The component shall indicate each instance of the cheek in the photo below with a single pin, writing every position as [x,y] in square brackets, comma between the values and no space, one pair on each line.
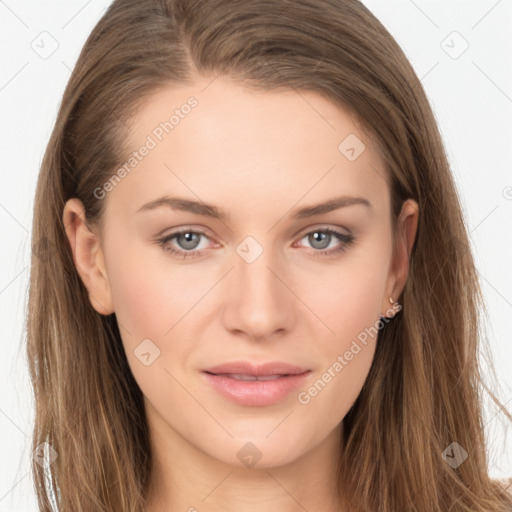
[332,392]
[349,304]
[150,296]
[347,347]
[151,303]
[347,297]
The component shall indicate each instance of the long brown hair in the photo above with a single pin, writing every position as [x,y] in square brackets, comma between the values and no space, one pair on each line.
[424,390]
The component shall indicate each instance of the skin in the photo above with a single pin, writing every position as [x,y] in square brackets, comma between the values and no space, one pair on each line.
[259,156]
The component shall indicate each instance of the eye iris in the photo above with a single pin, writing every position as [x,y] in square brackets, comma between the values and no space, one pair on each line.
[323,238]
[190,243]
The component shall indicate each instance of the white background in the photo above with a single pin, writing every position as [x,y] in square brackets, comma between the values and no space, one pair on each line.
[471,96]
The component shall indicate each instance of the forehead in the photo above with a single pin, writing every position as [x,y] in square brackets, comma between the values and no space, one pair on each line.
[218,140]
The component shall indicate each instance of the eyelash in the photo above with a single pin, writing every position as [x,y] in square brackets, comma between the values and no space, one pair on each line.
[347,240]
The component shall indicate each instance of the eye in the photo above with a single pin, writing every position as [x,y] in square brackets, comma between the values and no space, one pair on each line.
[187,241]
[320,239]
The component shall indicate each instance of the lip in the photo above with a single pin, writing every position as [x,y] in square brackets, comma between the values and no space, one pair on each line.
[255,393]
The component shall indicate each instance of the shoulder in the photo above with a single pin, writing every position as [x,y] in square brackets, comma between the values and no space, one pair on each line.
[506,483]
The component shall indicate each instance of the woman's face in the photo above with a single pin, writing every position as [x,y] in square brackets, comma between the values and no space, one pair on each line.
[290,265]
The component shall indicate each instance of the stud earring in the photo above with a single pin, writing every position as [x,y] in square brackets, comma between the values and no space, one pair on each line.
[387,318]
[395,305]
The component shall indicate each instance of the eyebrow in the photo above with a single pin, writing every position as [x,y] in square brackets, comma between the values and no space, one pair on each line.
[208,210]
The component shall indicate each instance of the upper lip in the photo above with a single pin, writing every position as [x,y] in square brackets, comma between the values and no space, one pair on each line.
[248,368]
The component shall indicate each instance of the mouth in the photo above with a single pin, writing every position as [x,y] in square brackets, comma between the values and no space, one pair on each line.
[246,368]
[255,385]
[239,376]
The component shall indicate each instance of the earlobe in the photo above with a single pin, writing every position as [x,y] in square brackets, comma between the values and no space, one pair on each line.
[88,256]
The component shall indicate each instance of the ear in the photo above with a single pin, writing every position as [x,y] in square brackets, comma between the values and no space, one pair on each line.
[88,256]
[406,234]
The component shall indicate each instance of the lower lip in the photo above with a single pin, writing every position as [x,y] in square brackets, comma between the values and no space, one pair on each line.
[256,393]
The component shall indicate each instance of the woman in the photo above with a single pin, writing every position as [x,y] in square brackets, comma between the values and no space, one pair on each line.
[262,295]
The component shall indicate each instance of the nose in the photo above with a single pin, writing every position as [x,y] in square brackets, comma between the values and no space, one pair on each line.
[259,301]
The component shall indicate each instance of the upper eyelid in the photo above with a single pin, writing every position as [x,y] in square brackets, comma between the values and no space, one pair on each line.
[324,227]
[206,231]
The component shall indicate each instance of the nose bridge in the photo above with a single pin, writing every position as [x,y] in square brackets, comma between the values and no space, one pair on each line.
[259,303]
